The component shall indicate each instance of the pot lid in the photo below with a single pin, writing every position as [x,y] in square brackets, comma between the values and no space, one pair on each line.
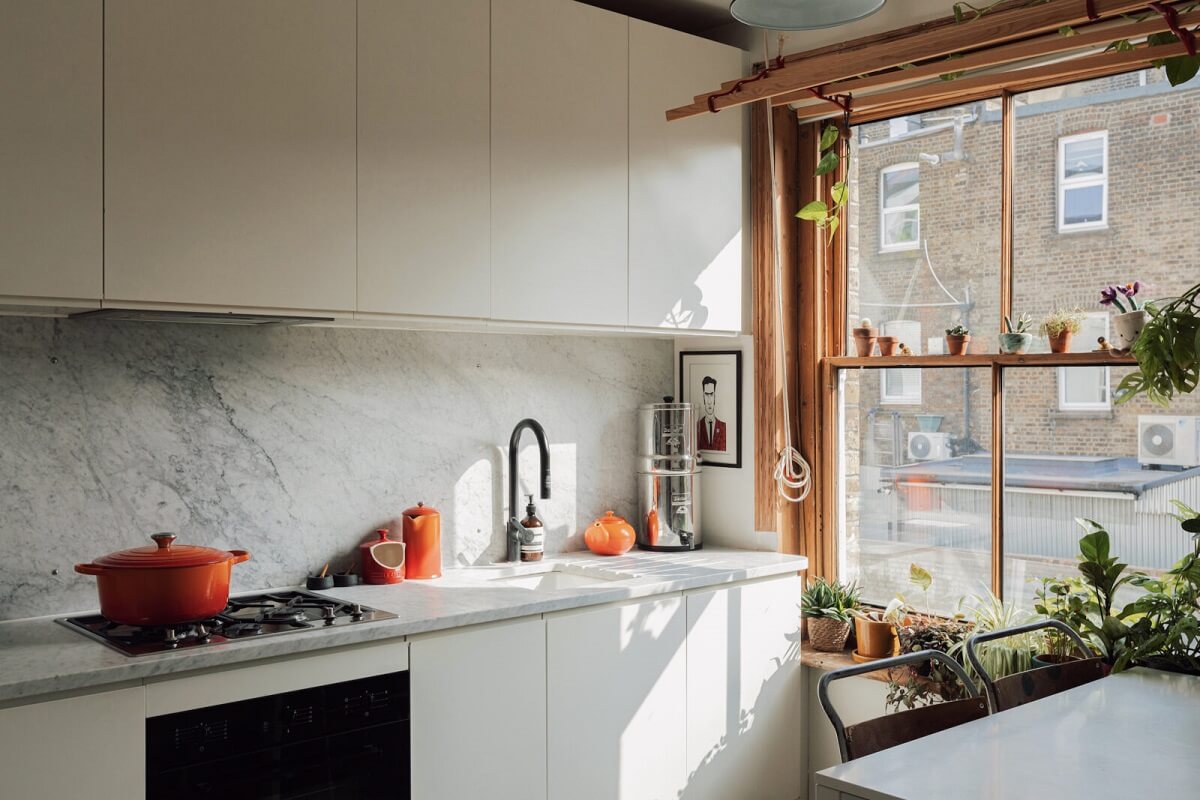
[421,510]
[164,553]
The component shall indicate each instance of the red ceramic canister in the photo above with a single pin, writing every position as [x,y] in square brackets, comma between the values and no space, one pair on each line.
[382,559]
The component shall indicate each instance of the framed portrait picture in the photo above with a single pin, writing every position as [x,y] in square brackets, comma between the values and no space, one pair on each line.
[711,380]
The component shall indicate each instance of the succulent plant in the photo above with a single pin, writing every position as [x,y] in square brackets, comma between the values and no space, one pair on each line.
[834,600]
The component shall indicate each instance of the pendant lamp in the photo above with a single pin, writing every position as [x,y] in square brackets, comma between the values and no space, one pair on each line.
[799,15]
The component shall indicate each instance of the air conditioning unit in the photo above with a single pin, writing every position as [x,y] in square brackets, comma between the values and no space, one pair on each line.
[1169,441]
[926,446]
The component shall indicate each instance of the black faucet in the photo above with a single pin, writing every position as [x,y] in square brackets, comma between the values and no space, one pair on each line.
[515,530]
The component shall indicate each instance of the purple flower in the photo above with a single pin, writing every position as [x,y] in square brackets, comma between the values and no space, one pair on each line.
[1130,289]
[1108,296]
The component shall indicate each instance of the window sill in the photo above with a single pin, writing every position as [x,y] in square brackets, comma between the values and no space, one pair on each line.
[983,360]
[828,662]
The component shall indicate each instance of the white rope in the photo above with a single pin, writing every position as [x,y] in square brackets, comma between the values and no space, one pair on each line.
[793,476]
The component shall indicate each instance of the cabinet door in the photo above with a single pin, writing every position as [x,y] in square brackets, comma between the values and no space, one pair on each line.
[93,745]
[229,153]
[685,186]
[744,688]
[616,703]
[479,712]
[51,149]
[560,163]
[423,157]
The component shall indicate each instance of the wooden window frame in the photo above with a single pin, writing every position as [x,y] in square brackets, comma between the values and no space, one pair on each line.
[824,269]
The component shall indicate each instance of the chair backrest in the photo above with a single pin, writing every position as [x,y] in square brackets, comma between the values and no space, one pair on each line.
[863,738]
[1011,691]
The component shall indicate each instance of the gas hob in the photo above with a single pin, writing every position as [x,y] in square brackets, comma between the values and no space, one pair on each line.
[250,616]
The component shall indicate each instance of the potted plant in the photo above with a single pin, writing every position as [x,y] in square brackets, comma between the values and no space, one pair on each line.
[888,345]
[1016,337]
[1059,326]
[875,632]
[1167,351]
[958,339]
[864,338]
[829,607]
[1128,324]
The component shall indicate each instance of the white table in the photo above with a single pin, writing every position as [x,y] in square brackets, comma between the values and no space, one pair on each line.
[1127,736]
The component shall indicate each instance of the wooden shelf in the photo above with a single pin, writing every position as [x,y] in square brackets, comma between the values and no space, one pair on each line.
[828,662]
[984,360]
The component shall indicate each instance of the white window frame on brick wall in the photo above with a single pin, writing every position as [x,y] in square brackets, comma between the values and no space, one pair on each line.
[1066,184]
[1100,327]
[884,211]
[908,332]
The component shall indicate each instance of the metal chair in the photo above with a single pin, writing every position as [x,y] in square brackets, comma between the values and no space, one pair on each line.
[864,738]
[1025,687]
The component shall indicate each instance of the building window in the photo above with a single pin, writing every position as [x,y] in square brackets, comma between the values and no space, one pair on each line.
[899,207]
[1086,388]
[902,386]
[1083,181]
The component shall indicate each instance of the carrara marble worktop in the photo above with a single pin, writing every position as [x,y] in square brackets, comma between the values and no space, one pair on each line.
[40,657]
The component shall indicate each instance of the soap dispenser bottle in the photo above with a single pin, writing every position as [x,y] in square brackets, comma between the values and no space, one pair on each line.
[533,544]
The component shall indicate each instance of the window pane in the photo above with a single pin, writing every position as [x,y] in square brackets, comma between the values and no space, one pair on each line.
[1083,204]
[915,486]
[1086,386]
[901,187]
[1151,128]
[939,264]
[1083,157]
[1059,467]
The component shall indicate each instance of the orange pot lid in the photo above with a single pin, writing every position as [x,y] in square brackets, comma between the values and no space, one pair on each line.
[164,553]
[421,510]
[609,517]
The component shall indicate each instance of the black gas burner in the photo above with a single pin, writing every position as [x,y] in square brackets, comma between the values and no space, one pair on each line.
[246,617]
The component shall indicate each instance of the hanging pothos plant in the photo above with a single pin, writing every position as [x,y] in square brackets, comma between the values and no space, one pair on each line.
[827,215]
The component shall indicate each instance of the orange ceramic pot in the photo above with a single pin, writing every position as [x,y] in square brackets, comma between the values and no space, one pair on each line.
[164,583]
[422,543]
[610,535]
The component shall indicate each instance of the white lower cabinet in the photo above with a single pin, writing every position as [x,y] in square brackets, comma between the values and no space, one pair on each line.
[745,728]
[615,683]
[92,745]
[479,712]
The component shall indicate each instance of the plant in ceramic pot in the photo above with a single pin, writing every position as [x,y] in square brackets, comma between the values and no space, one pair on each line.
[1132,317]
[829,607]
[1060,325]
[1016,338]
[1167,351]
[958,339]
[864,338]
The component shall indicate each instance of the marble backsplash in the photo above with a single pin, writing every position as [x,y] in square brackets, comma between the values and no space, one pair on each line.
[295,443]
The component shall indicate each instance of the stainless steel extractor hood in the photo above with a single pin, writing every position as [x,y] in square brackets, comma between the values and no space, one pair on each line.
[197,317]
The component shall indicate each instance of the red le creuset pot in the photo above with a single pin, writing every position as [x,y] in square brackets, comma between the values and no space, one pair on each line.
[164,583]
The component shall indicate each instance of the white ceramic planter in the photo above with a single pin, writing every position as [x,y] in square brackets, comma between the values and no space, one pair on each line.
[1127,327]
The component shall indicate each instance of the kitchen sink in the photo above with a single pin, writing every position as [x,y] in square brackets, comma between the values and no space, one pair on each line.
[555,579]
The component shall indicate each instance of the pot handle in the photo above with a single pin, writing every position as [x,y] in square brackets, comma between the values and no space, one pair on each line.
[240,555]
[89,569]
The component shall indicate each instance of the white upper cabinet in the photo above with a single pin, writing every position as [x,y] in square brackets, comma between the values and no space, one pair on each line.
[230,153]
[51,145]
[560,163]
[616,704]
[685,186]
[423,157]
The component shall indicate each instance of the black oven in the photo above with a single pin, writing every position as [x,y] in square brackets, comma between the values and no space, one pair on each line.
[343,741]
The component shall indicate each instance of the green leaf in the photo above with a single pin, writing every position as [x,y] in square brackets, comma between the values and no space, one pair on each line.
[919,577]
[816,211]
[840,193]
[1181,69]
[1192,525]
[828,163]
[1066,30]
[829,136]
[1119,46]
[834,222]
[1158,39]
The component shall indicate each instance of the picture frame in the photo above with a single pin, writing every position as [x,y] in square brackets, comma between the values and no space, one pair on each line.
[704,378]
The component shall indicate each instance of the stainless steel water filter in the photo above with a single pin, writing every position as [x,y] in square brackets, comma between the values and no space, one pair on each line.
[668,477]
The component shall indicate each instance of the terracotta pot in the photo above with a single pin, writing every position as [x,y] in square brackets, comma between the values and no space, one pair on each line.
[1060,343]
[957,345]
[828,635]
[163,584]
[864,341]
[876,638]
[1127,328]
[888,345]
[610,535]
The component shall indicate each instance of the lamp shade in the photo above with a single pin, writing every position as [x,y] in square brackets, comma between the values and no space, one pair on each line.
[799,15]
